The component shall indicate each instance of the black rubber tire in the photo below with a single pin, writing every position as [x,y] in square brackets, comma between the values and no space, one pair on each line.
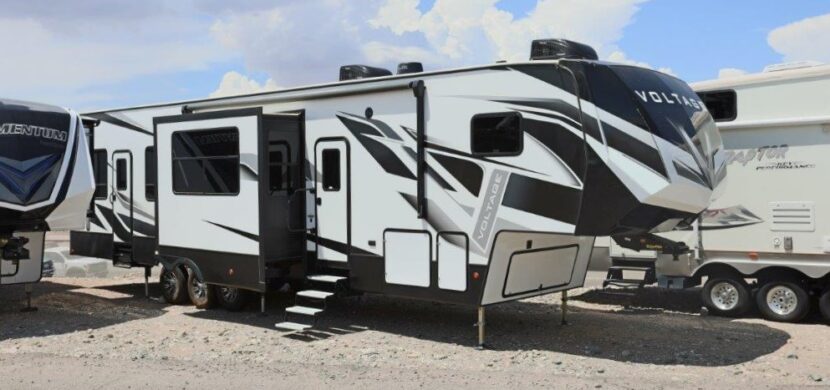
[744,296]
[204,299]
[232,298]
[824,305]
[802,302]
[173,284]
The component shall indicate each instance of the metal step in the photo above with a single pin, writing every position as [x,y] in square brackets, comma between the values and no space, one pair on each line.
[314,294]
[304,310]
[326,278]
[623,282]
[292,326]
[629,268]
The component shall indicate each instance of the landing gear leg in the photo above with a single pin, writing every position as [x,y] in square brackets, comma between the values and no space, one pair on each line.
[29,308]
[480,324]
[262,305]
[147,282]
[564,307]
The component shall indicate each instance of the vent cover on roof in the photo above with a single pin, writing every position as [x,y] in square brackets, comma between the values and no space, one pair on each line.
[553,49]
[410,67]
[354,72]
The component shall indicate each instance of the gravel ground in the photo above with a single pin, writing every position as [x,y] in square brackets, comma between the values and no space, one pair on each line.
[94,333]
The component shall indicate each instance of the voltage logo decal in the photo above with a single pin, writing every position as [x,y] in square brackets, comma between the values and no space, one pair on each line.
[490,207]
[670,98]
[33,131]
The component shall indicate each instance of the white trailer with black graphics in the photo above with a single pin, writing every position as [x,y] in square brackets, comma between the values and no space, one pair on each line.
[765,241]
[472,186]
[45,183]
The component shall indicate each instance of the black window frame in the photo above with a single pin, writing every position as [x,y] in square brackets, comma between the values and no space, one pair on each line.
[119,175]
[734,97]
[494,115]
[98,173]
[283,166]
[150,173]
[323,169]
[174,159]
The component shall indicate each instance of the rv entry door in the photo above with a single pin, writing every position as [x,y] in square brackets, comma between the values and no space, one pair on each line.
[121,197]
[332,189]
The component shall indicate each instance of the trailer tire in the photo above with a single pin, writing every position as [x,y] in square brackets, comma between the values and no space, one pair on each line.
[783,301]
[726,296]
[232,298]
[824,305]
[201,294]
[173,284]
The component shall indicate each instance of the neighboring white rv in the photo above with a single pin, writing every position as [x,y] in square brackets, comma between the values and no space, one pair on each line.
[472,186]
[771,225]
[45,183]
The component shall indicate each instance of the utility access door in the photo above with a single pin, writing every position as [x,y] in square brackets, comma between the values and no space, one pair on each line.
[121,196]
[333,191]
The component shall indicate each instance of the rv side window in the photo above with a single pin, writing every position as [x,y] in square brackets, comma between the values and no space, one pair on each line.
[99,166]
[496,134]
[278,166]
[206,162]
[331,170]
[121,174]
[723,105]
[150,174]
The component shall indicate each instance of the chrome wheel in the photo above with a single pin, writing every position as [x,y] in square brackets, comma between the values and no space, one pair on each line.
[725,296]
[782,300]
[229,294]
[199,288]
[169,282]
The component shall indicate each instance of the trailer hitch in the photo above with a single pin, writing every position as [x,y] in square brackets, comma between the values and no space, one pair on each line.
[14,248]
[652,242]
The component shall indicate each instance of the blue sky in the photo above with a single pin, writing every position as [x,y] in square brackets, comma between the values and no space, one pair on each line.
[163,50]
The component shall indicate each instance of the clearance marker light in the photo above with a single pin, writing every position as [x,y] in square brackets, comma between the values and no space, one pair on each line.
[753,256]
[476,275]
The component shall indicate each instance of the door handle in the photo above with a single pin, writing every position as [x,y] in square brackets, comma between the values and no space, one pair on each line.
[319,201]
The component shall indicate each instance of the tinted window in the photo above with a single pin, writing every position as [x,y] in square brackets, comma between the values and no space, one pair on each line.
[150,174]
[121,174]
[99,168]
[278,166]
[331,170]
[206,162]
[721,104]
[496,134]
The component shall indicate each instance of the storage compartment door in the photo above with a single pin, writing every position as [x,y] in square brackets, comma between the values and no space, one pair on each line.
[406,257]
[453,250]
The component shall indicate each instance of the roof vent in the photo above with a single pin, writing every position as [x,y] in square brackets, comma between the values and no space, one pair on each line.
[354,72]
[410,67]
[555,49]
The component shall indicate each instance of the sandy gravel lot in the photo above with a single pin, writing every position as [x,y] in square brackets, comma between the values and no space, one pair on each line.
[103,333]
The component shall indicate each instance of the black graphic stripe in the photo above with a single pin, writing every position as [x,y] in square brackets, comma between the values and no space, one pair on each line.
[560,141]
[431,172]
[383,127]
[384,156]
[468,173]
[250,236]
[104,117]
[139,226]
[117,228]
[96,221]
[634,148]
[445,149]
[357,127]
[542,198]
[571,113]
[689,173]
[339,246]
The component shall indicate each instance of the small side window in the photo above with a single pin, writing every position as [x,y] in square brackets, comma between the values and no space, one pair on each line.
[331,170]
[150,174]
[279,175]
[496,134]
[121,174]
[723,105]
[99,168]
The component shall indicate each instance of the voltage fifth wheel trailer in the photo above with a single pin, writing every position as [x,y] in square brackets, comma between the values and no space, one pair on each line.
[768,234]
[45,183]
[471,186]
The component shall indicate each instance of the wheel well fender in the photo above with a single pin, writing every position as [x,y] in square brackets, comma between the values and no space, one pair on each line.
[183,263]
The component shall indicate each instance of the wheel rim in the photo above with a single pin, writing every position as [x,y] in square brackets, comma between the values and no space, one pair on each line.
[229,294]
[199,289]
[725,296]
[169,282]
[782,300]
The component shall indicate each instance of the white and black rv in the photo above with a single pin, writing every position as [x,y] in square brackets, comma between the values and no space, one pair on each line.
[471,186]
[45,183]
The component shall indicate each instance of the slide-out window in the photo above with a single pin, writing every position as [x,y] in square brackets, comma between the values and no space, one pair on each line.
[99,168]
[279,173]
[150,174]
[206,162]
[121,174]
[331,170]
[723,105]
[497,134]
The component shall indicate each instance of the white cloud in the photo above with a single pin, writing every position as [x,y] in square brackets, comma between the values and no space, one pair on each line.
[804,40]
[234,83]
[727,73]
